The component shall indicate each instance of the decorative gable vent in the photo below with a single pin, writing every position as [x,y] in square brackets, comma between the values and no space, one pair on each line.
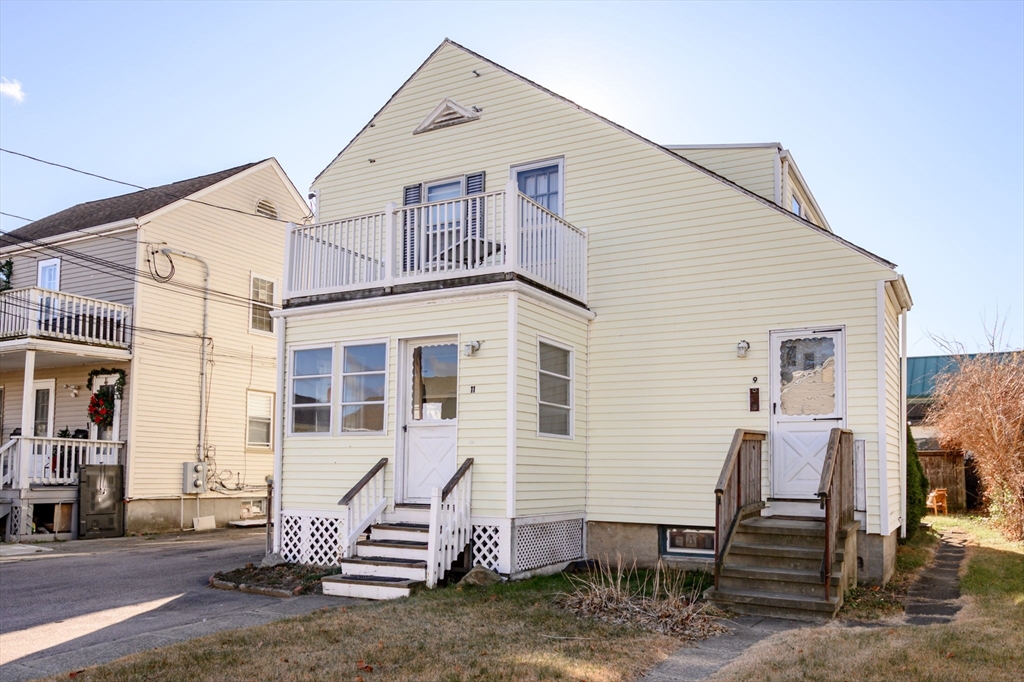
[266,208]
[447,113]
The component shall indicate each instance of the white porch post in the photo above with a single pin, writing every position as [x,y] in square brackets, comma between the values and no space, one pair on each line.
[512,226]
[28,414]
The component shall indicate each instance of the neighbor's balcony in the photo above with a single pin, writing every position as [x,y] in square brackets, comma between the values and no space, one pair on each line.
[53,461]
[40,313]
[470,237]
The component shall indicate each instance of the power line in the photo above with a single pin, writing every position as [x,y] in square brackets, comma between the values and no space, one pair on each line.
[146,189]
[11,215]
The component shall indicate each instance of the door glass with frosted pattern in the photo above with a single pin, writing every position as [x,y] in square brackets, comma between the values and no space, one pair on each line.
[807,376]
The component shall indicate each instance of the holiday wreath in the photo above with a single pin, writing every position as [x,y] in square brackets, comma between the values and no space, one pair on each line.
[101,408]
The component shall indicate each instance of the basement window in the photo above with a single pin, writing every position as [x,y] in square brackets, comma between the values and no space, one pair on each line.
[687,541]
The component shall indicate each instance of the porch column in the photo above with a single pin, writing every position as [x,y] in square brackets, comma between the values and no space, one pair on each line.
[28,416]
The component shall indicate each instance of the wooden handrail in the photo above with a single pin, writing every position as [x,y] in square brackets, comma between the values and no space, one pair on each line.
[456,478]
[363,481]
[835,490]
[829,465]
[742,499]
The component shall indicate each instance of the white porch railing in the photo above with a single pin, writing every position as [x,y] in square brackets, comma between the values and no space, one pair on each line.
[364,504]
[55,461]
[451,524]
[8,460]
[473,235]
[35,312]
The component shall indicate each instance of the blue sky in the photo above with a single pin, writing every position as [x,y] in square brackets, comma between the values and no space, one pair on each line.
[906,119]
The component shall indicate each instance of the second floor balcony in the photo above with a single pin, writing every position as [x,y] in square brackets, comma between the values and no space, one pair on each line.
[467,238]
[33,312]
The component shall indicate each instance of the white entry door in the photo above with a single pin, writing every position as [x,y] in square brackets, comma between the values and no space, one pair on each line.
[808,401]
[432,378]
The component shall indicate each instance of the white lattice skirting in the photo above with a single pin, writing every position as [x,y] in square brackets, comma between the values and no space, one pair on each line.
[487,548]
[543,544]
[312,537]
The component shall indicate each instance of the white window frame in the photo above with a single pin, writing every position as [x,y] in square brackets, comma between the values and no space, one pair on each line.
[461,179]
[39,272]
[37,385]
[252,302]
[342,345]
[259,446]
[572,387]
[795,203]
[291,391]
[513,174]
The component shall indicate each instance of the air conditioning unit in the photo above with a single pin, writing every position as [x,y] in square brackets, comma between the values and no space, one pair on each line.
[193,477]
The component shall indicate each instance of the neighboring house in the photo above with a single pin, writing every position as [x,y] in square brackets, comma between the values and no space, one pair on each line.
[949,469]
[523,327]
[112,299]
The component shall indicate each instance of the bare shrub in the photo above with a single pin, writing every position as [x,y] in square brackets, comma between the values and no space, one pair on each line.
[663,600]
[979,408]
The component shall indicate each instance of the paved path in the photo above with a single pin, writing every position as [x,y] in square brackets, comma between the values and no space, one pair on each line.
[92,601]
[934,596]
[699,661]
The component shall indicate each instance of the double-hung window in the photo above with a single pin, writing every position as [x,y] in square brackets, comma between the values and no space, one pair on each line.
[312,376]
[363,378]
[48,274]
[262,302]
[554,390]
[259,410]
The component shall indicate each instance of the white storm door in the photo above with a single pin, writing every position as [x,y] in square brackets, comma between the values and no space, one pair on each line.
[808,401]
[431,386]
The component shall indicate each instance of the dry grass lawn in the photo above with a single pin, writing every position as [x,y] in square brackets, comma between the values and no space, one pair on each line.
[511,632]
[985,642]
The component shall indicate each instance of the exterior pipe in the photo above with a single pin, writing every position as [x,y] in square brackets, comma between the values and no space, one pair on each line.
[201,446]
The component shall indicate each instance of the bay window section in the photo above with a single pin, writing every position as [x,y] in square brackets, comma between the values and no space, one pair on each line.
[363,378]
[554,390]
[311,390]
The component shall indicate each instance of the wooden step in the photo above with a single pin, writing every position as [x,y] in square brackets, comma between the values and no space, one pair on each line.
[774,530]
[392,549]
[368,586]
[417,532]
[777,556]
[779,605]
[410,569]
[777,580]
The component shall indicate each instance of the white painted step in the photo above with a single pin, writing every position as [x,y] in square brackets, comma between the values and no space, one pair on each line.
[414,532]
[396,549]
[367,587]
[389,568]
[408,514]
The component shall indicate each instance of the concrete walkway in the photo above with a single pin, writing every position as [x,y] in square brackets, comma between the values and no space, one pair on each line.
[92,601]
[699,661]
[935,595]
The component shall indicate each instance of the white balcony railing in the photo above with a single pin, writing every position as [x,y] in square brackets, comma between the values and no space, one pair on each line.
[35,312]
[474,235]
[53,461]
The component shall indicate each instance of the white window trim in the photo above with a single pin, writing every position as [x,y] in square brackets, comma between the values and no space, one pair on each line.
[260,446]
[572,387]
[461,179]
[513,174]
[291,390]
[342,345]
[44,263]
[277,287]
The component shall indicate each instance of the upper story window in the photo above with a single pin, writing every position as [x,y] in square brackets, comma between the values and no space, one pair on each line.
[259,409]
[266,208]
[262,297]
[310,395]
[542,182]
[797,208]
[48,275]
[554,390]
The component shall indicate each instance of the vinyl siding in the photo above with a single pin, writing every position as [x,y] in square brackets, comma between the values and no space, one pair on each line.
[892,412]
[318,470]
[550,471]
[68,411]
[167,350]
[750,167]
[682,266]
[78,274]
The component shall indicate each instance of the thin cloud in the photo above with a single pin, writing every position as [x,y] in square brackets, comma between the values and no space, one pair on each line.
[12,89]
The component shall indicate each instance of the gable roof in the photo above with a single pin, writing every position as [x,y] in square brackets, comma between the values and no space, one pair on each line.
[770,204]
[116,209]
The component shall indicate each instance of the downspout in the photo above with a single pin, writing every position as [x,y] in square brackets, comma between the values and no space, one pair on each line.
[201,447]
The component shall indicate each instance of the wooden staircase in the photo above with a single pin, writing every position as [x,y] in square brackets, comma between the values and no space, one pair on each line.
[783,566]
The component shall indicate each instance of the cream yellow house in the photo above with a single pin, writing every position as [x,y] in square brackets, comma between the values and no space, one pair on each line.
[155,306]
[523,335]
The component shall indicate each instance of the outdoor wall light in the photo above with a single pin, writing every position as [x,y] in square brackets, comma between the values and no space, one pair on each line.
[741,349]
[470,349]
[73,388]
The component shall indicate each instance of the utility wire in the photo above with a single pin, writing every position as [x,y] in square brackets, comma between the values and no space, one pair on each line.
[147,189]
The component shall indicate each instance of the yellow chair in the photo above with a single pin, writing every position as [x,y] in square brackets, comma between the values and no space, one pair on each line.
[937,500]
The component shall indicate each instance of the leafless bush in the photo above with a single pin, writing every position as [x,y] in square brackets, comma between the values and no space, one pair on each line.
[661,600]
[979,408]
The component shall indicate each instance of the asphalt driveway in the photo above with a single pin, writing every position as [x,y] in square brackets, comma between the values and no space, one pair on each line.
[75,604]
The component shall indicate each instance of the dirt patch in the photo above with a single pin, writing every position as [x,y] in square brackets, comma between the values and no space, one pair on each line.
[279,581]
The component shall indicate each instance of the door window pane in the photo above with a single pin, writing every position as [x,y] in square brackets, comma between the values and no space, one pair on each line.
[435,382]
[807,376]
[41,427]
[364,380]
[554,390]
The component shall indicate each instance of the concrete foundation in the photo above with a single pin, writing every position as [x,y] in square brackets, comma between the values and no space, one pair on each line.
[161,516]
[639,541]
[876,557]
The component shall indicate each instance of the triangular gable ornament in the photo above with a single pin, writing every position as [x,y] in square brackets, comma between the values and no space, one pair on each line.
[447,113]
